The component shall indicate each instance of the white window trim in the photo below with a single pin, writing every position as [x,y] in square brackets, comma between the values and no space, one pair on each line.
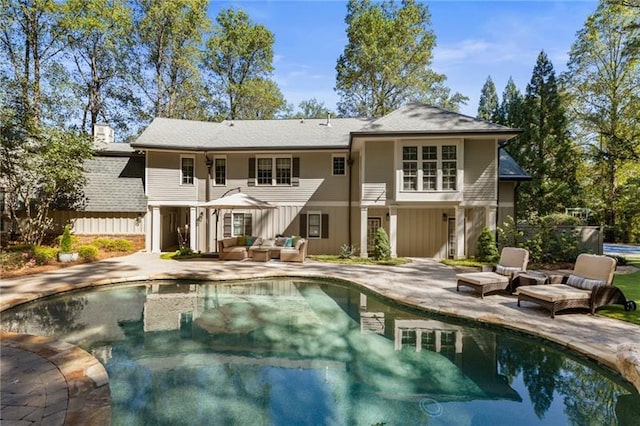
[193,157]
[319,213]
[333,156]
[213,170]
[273,170]
[439,160]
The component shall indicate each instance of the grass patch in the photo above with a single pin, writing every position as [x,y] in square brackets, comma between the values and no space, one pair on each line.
[175,255]
[358,260]
[630,286]
[463,262]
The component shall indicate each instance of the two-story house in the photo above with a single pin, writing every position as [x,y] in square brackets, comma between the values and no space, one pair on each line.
[430,177]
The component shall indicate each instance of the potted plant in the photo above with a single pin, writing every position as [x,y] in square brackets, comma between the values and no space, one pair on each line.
[66,255]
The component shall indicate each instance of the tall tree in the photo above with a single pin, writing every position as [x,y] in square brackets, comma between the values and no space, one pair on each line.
[488,107]
[604,81]
[545,149]
[30,38]
[312,108]
[100,50]
[385,63]
[170,35]
[510,111]
[239,56]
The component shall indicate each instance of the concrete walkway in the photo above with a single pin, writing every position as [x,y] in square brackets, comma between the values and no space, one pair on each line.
[422,283]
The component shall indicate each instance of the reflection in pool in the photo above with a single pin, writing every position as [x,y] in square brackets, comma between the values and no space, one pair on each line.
[309,352]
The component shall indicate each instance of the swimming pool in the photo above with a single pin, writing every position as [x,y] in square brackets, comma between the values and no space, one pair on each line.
[291,351]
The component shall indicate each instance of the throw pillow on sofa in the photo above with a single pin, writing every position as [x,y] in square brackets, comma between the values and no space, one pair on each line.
[242,241]
[249,241]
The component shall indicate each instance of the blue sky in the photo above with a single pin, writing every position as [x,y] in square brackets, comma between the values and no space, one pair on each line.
[474,39]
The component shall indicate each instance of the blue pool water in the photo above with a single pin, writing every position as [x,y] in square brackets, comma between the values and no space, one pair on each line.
[299,352]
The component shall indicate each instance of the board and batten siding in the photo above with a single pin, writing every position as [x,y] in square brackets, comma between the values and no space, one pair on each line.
[422,233]
[108,223]
[480,170]
[475,223]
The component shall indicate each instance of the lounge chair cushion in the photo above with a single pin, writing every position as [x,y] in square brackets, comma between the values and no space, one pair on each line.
[583,283]
[554,292]
[481,278]
[595,267]
[514,257]
[507,270]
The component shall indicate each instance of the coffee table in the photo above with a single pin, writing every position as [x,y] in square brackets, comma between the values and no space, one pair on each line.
[260,254]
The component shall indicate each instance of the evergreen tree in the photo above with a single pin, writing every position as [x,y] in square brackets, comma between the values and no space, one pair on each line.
[545,150]
[510,111]
[488,108]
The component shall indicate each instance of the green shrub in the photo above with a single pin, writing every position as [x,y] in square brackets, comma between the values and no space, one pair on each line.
[487,251]
[108,244]
[88,252]
[346,251]
[44,255]
[185,251]
[65,241]
[381,247]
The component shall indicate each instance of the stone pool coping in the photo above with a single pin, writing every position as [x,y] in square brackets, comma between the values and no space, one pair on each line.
[423,283]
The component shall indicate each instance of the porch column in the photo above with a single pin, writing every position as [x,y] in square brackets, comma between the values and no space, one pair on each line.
[147,231]
[393,231]
[193,228]
[460,225]
[490,217]
[364,215]
[155,229]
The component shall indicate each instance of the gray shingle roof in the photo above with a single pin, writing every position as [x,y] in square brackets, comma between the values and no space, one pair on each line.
[248,134]
[115,184]
[421,118]
[509,169]
[167,133]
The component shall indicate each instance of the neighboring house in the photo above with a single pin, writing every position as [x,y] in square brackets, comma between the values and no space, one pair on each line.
[428,176]
[115,203]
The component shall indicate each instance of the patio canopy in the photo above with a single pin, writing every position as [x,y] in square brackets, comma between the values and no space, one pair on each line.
[239,200]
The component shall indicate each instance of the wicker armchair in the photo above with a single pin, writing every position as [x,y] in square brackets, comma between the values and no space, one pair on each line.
[512,261]
[588,287]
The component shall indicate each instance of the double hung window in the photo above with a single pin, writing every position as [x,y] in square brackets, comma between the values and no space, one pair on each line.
[273,170]
[187,170]
[219,171]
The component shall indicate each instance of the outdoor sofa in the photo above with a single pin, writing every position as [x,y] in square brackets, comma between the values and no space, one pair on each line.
[512,261]
[287,249]
[588,286]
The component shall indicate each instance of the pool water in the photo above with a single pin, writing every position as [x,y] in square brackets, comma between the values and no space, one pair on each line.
[307,352]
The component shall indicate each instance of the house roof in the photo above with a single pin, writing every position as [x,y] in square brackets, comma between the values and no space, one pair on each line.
[115,184]
[166,133]
[414,118]
[509,169]
[426,119]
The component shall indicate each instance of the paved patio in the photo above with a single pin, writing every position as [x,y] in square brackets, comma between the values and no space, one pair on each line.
[36,366]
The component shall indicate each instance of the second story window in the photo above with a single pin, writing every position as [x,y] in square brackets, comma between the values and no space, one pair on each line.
[283,171]
[265,172]
[339,163]
[449,167]
[187,167]
[429,168]
[219,171]
[274,171]
[410,168]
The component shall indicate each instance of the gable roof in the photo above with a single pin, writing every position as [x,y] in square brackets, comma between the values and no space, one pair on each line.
[509,169]
[425,119]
